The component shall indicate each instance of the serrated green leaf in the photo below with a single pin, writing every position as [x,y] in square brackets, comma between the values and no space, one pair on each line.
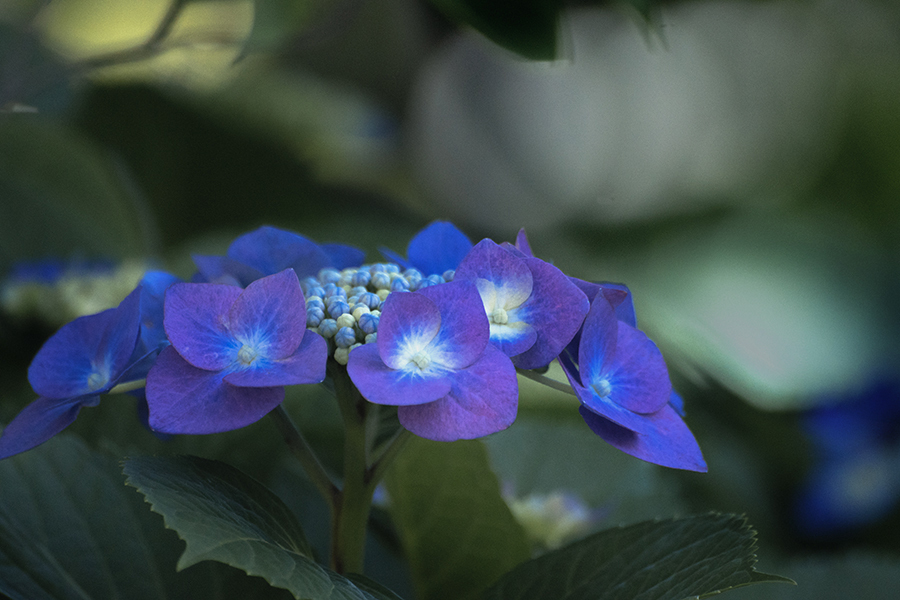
[457,531]
[656,560]
[226,516]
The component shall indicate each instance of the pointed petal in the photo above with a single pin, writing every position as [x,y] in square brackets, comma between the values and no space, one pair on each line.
[556,310]
[395,258]
[381,384]
[194,320]
[224,270]
[185,399]
[37,423]
[100,343]
[464,331]
[597,345]
[620,297]
[270,315]
[271,250]
[408,323]
[306,365]
[437,248]
[153,290]
[509,274]
[638,377]
[483,400]
[665,440]
[522,243]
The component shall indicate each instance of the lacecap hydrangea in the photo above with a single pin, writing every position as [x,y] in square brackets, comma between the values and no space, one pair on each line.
[441,334]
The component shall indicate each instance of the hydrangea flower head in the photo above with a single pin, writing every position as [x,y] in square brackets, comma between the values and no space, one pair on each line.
[269,250]
[85,358]
[433,359]
[533,308]
[623,384]
[436,249]
[232,352]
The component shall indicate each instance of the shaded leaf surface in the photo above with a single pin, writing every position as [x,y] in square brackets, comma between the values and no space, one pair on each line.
[458,533]
[655,560]
[226,516]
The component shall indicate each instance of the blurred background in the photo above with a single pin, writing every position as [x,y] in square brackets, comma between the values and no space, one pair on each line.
[735,163]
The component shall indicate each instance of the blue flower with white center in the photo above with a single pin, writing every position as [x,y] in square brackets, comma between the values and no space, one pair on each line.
[269,250]
[435,249]
[432,358]
[623,384]
[533,309]
[232,352]
[85,358]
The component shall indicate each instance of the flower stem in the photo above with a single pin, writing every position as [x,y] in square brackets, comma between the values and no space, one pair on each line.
[351,514]
[556,385]
[304,453]
[128,386]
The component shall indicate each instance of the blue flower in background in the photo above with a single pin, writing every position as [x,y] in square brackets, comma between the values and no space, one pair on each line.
[856,448]
[433,359]
[438,248]
[85,358]
[232,352]
[269,250]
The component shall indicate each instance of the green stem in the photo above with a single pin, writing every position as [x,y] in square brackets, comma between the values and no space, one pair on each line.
[351,515]
[304,453]
[128,387]
[556,385]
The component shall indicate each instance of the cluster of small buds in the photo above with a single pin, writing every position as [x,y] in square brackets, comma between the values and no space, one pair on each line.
[344,306]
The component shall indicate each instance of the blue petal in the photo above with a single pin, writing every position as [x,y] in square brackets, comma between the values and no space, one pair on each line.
[96,344]
[343,257]
[37,423]
[483,400]
[271,250]
[664,440]
[437,248]
[381,384]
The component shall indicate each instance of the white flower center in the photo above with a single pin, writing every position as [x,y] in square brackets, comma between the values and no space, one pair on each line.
[602,388]
[499,316]
[421,360]
[246,355]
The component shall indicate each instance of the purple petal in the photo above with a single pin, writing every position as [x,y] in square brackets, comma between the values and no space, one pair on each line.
[37,423]
[522,243]
[464,331]
[270,315]
[306,365]
[88,354]
[271,250]
[224,270]
[381,384]
[153,289]
[483,400]
[437,248]
[665,440]
[638,377]
[343,257]
[509,275]
[556,310]
[185,399]
[597,346]
[408,323]
[194,320]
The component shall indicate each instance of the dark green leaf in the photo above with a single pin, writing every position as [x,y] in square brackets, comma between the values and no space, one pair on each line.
[656,560]
[527,27]
[275,21]
[70,529]
[458,533]
[226,516]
